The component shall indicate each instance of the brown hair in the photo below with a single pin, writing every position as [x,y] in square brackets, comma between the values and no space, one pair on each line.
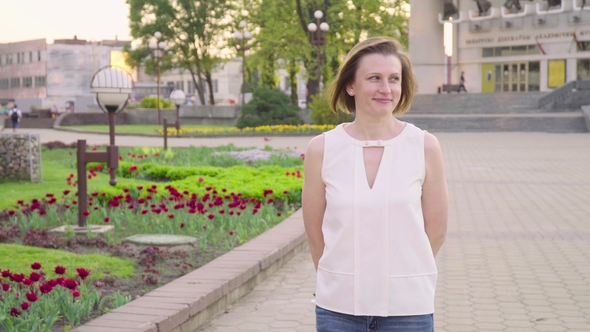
[336,91]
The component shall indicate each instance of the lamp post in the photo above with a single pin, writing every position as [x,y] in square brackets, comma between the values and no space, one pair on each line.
[242,36]
[319,39]
[177,97]
[157,50]
[112,86]
[448,45]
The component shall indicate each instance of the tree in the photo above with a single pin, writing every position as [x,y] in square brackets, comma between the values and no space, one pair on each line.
[283,32]
[194,31]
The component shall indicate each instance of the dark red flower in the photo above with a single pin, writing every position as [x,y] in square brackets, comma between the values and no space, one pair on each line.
[41,212]
[76,293]
[270,201]
[132,168]
[5,287]
[36,266]
[125,190]
[148,197]
[11,212]
[221,211]
[24,306]
[181,225]
[254,211]
[171,216]
[231,213]
[204,226]
[200,179]
[285,192]
[27,281]
[99,168]
[86,213]
[83,273]
[59,270]
[141,200]
[107,219]
[49,195]
[211,216]
[6,273]
[278,214]
[31,297]
[239,213]
[70,284]
[144,211]
[17,277]
[47,287]
[14,312]
[231,233]
[120,157]
[58,281]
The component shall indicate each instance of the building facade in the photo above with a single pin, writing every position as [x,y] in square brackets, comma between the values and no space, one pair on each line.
[512,46]
[36,74]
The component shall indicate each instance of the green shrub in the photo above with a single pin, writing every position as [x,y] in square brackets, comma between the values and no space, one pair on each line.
[152,102]
[269,107]
[322,114]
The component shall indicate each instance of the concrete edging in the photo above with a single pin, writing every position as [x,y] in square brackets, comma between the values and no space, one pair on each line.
[188,302]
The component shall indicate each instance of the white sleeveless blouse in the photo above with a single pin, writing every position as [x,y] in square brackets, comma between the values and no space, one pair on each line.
[377,259]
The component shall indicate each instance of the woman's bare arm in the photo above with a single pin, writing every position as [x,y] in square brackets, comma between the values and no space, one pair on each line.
[435,197]
[314,198]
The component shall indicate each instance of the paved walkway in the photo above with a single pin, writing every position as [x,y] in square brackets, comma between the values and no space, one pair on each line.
[517,256]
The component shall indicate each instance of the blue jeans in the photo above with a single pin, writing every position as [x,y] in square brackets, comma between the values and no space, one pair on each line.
[15,124]
[330,321]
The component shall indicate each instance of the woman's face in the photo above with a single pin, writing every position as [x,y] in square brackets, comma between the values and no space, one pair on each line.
[377,86]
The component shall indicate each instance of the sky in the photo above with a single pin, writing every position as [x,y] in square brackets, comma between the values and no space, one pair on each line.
[62,19]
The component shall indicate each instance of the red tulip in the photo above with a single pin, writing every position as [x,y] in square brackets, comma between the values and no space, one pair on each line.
[24,306]
[107,219]
[83,273]
[211,216]
[27,281]
[86,213]
[59,270]
[76,293]
[11,212]
[5,287]
[231,233]
[181,225]
[47,287]
[70,284]
[31,297]
[14,312]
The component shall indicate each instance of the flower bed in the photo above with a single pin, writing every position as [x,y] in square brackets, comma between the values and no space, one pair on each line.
[306,129]
[222,206]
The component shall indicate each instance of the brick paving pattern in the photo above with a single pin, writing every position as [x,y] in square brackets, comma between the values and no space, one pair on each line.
[517,256]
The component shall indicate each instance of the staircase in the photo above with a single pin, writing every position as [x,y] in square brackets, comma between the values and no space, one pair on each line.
[501,111]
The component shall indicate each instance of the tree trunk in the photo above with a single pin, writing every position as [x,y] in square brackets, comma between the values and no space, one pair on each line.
[293,82]
[210,85]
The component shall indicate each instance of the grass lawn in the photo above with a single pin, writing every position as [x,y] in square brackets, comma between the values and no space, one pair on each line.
[18,259]
[133,129]
[57,165]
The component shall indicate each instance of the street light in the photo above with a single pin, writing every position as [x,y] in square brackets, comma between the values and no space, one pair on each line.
[319,39]
[177,97]
[157,49]
[112,86]
[242,36]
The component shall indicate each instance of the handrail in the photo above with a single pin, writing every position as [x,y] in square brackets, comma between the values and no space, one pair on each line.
[563,91]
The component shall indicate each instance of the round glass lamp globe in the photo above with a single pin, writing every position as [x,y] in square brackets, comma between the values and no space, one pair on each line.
[111,85]
[312,27]
[318,14]
[177,97]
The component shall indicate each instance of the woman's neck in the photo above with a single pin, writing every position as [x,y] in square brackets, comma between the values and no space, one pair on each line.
[375,129]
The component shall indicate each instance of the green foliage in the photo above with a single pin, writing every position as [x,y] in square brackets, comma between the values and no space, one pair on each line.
[283,31]
[268,107]
[322,114]
[194,32]
[152,102]
[18,259]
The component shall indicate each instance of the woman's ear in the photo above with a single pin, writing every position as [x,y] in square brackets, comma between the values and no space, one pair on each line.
[350,90]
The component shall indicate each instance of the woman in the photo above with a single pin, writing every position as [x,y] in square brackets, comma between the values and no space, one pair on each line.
[375,202]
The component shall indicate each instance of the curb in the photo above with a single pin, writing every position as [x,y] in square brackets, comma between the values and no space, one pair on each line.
[188,302]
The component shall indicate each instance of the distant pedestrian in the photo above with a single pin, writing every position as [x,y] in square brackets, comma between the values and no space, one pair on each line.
[15,115]
[462,83]
[54,111]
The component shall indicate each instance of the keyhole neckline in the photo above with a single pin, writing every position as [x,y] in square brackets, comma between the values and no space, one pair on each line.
[371,143]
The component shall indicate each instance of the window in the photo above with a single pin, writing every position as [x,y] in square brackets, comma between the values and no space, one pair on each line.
[38,55]
[4,84]
[179,85]
[583,71]
[511,50]
[534,76]
[17,57]
[30,56]
[15,83]
[40,81]
[583,45]
[8,59]
[27,82]
[190,87]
